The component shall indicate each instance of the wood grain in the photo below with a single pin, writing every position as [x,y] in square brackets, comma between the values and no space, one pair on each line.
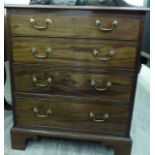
[71,113]
[71,66]
[77,52]
[66,81]
[79,24]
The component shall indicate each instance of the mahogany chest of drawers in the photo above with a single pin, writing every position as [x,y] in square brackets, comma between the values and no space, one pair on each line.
[74,72]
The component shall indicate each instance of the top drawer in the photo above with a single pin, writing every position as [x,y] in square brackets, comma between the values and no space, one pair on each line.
[78,24]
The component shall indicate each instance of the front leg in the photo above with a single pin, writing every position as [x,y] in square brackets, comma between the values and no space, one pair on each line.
[121,146]
[19,138]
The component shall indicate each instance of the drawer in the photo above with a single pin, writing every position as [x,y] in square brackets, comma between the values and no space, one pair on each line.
[78,24]
[73,81]
[72,113]
[77,52]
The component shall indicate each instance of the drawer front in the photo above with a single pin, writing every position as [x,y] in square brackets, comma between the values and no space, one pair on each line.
[77,52]
[74,81]
[79,24]
[73,113]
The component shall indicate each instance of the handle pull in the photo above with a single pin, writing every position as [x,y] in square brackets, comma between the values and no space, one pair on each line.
[41,56]
[100,119]
[100,26]
[106,87]
[35,25]
[103,58]
[36,112]
[44,84]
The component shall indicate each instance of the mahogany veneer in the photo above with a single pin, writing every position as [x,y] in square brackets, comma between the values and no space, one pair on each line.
[74,72]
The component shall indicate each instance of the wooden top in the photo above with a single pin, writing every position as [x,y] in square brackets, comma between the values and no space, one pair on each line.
[141,9]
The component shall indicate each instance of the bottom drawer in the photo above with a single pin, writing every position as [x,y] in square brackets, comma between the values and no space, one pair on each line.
[82,114]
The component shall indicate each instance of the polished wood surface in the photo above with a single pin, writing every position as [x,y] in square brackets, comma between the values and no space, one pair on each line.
[71,82]
[122,145]
[59,87]
[77,52]
[66,111]
[78,24]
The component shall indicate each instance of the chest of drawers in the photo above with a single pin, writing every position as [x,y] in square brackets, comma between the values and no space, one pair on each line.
[74,72]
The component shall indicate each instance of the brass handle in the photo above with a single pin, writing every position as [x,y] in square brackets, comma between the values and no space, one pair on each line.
[106,87]
[100,25]
[104,58]
[45,84]
[36,112]
[41,56]
[34,24]
[101,119]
